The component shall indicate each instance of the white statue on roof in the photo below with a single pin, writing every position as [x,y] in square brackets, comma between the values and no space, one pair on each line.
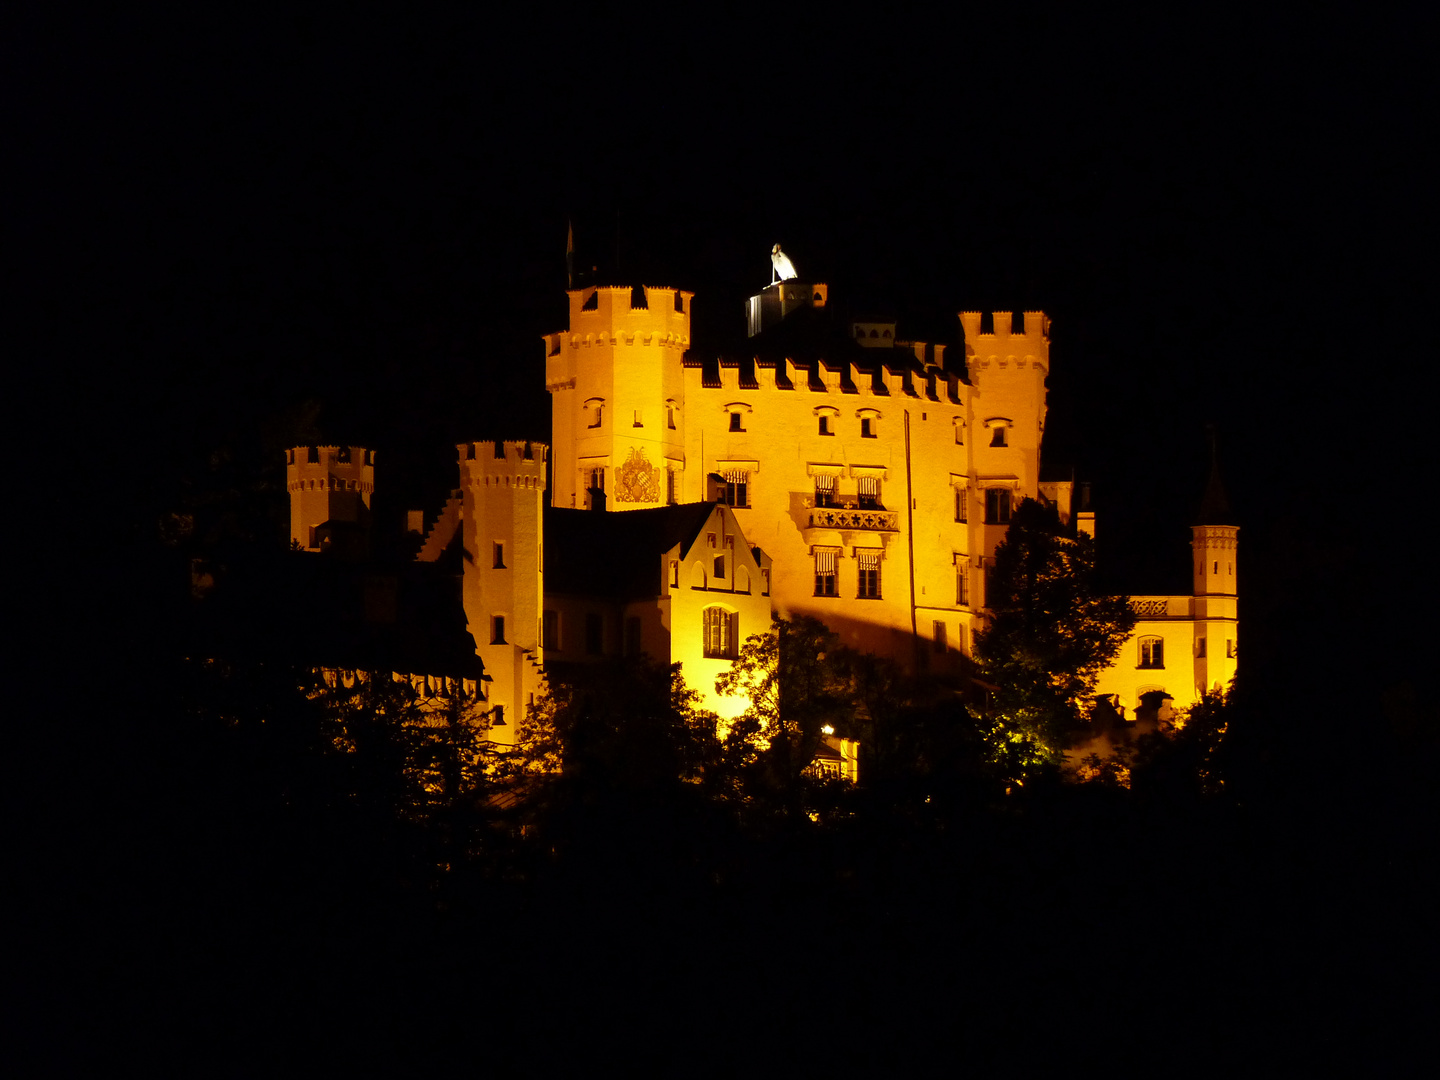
[784,269]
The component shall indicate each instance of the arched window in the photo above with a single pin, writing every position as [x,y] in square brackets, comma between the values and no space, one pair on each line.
[1152,652]
[721,630]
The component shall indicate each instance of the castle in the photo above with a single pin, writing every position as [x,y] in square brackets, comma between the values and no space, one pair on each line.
[822,470]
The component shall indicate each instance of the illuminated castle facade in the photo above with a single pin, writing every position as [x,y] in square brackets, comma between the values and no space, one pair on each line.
[878,475]
[878,481]
[822,471]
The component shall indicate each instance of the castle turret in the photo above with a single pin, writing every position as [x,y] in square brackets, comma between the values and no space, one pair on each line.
[503,491]
[1214,543]
[1007,355]
[330,489]
[617,395]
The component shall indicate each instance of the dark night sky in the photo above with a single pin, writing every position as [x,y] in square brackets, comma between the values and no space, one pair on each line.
[237,216]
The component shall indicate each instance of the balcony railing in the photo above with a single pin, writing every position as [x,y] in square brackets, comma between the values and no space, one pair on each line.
[1160,607]
[845,517]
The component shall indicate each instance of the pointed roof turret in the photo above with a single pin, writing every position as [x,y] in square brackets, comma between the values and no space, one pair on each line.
[1214,507]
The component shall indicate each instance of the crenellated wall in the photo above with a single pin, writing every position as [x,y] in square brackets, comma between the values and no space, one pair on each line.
[327,484]
[910,440]
[503,488]
[616,396]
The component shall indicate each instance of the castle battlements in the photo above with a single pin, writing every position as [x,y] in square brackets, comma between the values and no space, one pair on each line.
[330,468]
[1006,339]
[638,308]
[834,377]
[328,485]
[504,463]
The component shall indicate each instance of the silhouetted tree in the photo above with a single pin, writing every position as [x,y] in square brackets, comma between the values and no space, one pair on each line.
[1049,637]
[627,725]
[796,682]
[1190,757]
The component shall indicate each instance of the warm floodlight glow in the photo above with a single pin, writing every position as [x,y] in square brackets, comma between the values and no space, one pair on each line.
[784,268]
[827,730]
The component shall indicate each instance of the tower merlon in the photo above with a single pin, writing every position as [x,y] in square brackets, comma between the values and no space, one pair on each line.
[625,308]
[1005,324]
[503,455]
[327,485]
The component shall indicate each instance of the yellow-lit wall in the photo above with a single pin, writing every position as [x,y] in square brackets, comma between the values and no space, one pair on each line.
[740,590]
[631,363]
[931,437]
[503,491]
[337,487]
[672,622]
[1200,632]
[625,361]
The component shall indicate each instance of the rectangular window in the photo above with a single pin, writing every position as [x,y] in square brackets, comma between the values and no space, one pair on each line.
[962,582]
[937,637]
[497,630]
[674,573]
[867,428]
[869,587]
[825,426]
[670,487]
[595,415]
[737,489]
[594,634]
[825,573]
[550,630]
[719,566]
[997,435]
[638,422]
[736,422]
[499,556]
[824,491]
[869,491]
[959,433]
[1229,649]
[1200,648]
[670,417]
[997,506]
[962,505]
[720,633]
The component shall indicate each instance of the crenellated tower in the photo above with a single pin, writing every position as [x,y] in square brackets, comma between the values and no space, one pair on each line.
[330,489]
[1214,543]
[1008,358]
[502,487]
[617,396]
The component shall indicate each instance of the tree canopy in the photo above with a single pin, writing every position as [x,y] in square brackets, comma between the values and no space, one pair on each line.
[1050,634]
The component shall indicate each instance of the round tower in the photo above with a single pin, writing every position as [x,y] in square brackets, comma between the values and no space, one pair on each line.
[1214,542]
[330,489]
[616,386]
[503,491]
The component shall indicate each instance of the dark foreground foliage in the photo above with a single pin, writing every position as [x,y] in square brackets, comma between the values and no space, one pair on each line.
[258,876]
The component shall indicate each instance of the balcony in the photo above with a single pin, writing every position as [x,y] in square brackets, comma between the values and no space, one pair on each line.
[1161,607]
[848,517]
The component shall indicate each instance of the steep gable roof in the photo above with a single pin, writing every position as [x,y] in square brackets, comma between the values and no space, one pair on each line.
[616,554]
